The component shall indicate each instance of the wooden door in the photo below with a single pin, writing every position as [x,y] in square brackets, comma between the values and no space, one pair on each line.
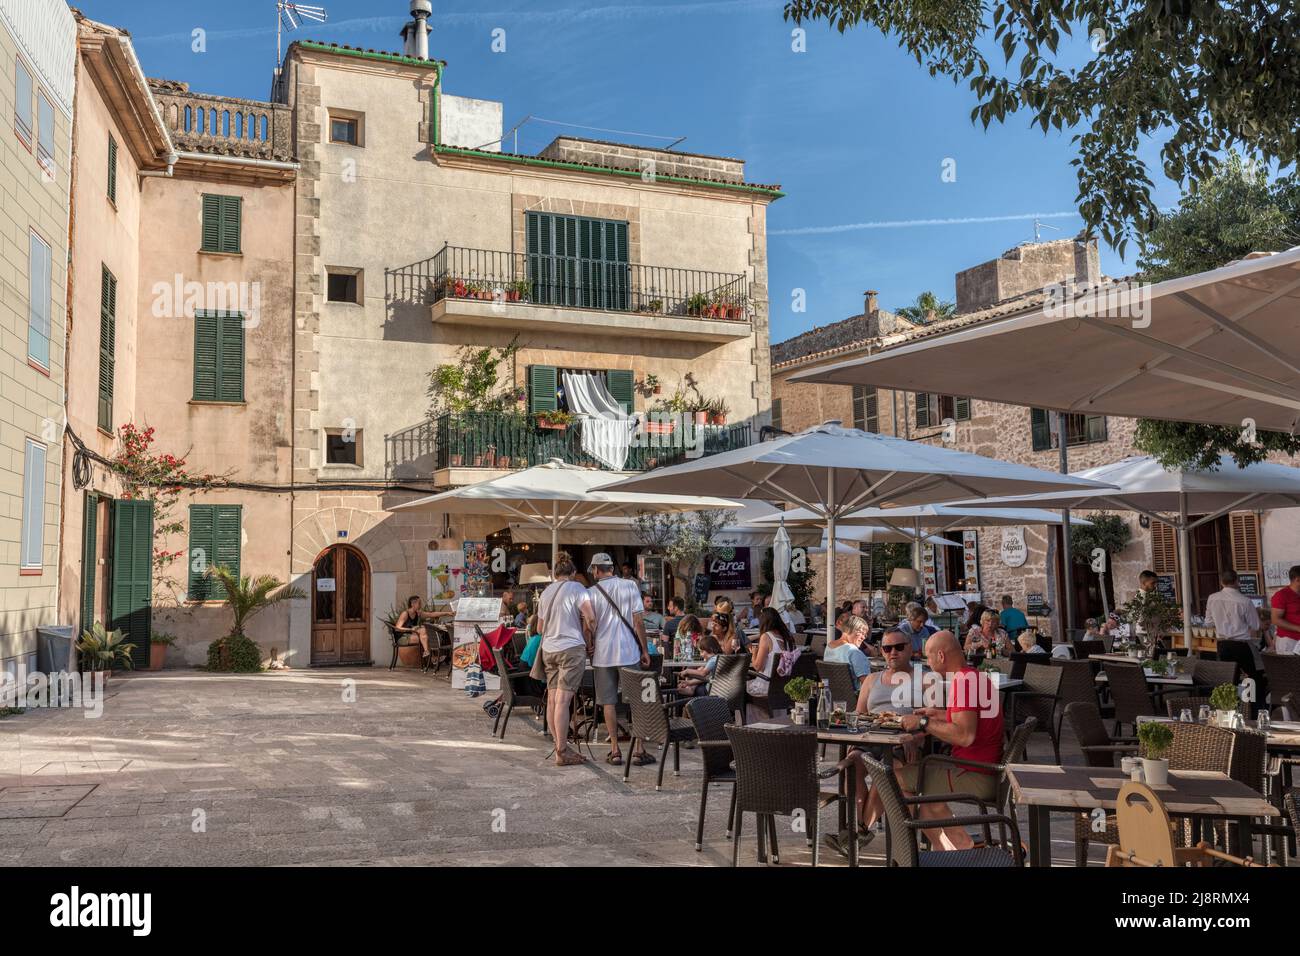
[1211,553]
[340,619]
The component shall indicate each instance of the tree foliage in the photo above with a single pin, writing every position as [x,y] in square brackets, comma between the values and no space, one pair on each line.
[1109,532]
[472,382]
[1236,212]
[686,540]
[1201,77]
[928,307]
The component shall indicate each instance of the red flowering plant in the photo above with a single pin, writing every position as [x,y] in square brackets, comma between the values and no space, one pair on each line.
[161,479]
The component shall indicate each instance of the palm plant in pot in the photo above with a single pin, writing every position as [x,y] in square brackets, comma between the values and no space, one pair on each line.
[246,596]
[799,689]
[1155,738]
[1223,702]
[104,650]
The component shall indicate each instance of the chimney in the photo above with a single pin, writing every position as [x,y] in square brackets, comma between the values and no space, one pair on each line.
[415,35]
[869,304]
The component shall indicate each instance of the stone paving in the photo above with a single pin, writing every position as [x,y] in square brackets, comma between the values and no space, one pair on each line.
[186,767]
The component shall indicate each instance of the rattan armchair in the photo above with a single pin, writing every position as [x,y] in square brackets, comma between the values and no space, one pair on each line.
[510,698]
[902,846]
[729,678]
[1283,672]
[1128,690]
[709,717]
[653,720]
[1040,699]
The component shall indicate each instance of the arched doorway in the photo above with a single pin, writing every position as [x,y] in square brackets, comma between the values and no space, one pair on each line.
[340,607]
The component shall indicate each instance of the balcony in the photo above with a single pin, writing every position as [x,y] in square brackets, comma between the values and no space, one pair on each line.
[223,126]
[462,449]
[509,290]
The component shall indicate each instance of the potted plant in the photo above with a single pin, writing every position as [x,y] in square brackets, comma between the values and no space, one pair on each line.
[697,304]
[1159,667]
[554,420]
[655,305]
[652,383]
[799,689]
[409,654]
[718,411]
[1154,614]
[1223,701]
[1155,738]
[103,650]
[246,596]
[159,641]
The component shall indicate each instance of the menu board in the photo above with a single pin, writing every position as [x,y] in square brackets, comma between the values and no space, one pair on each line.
[479,609]
[1165,585]
[929,579]
[970,544]
[1036,606]
[1248,584]
[478,568]
[446,576]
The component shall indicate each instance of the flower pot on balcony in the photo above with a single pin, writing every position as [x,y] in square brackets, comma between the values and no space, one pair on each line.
[503,462]
[478,461]
[457,460]
[552,426]
[660,428]
[701,418]
[157,656]
[459,289]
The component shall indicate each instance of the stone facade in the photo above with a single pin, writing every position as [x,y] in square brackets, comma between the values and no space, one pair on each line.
[1027,268]
[34,202]
[643,160]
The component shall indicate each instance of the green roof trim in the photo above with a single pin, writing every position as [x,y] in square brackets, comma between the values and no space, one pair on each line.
[371,55]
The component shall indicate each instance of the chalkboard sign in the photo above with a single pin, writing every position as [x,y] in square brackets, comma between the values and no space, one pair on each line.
[1165,585]
[1036,606]
[701,588]
[1248,584]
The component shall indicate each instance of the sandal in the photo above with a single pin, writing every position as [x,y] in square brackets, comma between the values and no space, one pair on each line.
[642,759]
[569,759]
[614,758]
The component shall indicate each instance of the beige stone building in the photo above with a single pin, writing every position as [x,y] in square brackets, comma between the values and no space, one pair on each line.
[1260,544]
[37,64]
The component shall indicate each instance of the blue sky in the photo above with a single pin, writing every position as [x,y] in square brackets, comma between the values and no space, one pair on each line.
[854,131]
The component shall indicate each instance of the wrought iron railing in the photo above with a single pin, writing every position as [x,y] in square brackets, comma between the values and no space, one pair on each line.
[571,282]
[504,441]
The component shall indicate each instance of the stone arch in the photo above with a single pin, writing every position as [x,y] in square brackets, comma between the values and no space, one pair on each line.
[366,530]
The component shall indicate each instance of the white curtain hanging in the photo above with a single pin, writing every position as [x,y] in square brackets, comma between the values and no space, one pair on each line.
[606,429]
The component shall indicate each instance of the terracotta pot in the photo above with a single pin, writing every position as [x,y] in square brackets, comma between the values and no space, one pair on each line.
[552,426]
[660,428]
[478,461]
[409,656]
[657,389]
[503,461]
[456,460]
[701,418]
[157,656]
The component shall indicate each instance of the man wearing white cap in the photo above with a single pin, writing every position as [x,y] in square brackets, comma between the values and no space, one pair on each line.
[620,642]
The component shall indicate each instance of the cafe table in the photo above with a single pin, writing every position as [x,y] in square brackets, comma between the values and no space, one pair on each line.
[1076,789]
[1179,680]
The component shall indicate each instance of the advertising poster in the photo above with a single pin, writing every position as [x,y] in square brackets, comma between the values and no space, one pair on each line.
[970,544]
[446,576]
[729,570]
[478,568]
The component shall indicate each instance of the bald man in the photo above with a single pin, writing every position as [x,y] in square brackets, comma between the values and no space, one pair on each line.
[971,724]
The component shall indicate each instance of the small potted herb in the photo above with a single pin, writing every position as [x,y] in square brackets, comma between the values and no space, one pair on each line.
[652,383]
[697,304]
[799,689]
[1223,701]
[159,641]
[554,420]
[1155,738]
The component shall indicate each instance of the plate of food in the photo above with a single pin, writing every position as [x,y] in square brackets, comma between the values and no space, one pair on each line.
[887,720]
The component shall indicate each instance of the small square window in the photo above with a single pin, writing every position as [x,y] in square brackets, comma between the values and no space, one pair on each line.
[343,446]
[345,129]
[343,285]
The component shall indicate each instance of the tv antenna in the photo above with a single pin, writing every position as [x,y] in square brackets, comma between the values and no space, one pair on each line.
[1040,225]
[291,15]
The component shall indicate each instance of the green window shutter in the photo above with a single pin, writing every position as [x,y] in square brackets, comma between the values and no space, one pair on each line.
[112,169]
[230,350]
[201,552]
[226,540]
[107,346]
[89,559]
[232,208]
[621,386]
[131,604]
[211,223]
[206,333]
[218,357]
[542,385]
[962,409]
[922,410]
[1040,427]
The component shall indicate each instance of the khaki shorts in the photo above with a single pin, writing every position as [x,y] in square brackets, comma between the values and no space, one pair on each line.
[564,669]
[947,778]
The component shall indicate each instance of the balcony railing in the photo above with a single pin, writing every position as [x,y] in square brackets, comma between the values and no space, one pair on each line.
[571,282]
[223,124]
[503,441]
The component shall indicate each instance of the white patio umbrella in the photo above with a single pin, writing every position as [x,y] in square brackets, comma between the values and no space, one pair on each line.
[1174,496]
[833,471]
[556,496]
[782,596]
[1216,347]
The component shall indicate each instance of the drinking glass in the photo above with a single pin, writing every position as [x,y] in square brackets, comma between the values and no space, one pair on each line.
[1203,715]
[852,720]
[1185,715]
[1263,722]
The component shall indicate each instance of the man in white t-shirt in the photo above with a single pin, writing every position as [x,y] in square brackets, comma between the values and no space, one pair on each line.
[566,624]
[620,642]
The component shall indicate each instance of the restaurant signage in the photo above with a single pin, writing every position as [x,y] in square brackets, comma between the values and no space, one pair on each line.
[729,570]
[1014,552]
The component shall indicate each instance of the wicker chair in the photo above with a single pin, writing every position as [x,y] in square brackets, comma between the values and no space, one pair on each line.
[1175,703]
[653,721]
[1079,686]
[1201,747]
[729,676]
[903,848]
[1003,665]
[840,677]
[1099,750]
[776,775]
[1210,674]
[510,698]
[775,698]
[1040,699]
[1128,689]
[1085,647]
[1283,671]
[709,717]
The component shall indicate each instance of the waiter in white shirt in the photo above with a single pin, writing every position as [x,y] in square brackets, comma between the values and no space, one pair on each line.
[1234,616]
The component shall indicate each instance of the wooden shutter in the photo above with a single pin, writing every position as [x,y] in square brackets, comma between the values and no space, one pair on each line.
[1243,527]
[542,385]
[206,333]
[226,540]
[230,358]
[1040,428]
[922,410]
[621,385]
[131,606]
[961,409]
[89,559]
[776,414]
[107,346]
[215,539]
[231,222]
[1164,549]
[211,223]
[112,169]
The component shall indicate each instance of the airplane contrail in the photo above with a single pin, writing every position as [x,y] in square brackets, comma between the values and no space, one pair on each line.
[905,223]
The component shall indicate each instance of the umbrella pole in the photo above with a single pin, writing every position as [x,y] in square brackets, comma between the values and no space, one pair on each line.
[1185,570]
[830,555]
[555,534]
[916,555]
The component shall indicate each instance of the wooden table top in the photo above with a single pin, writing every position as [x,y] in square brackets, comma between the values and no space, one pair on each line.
[1189,792]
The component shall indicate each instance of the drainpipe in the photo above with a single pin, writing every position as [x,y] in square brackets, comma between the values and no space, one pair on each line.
[166,174]
[236,160]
